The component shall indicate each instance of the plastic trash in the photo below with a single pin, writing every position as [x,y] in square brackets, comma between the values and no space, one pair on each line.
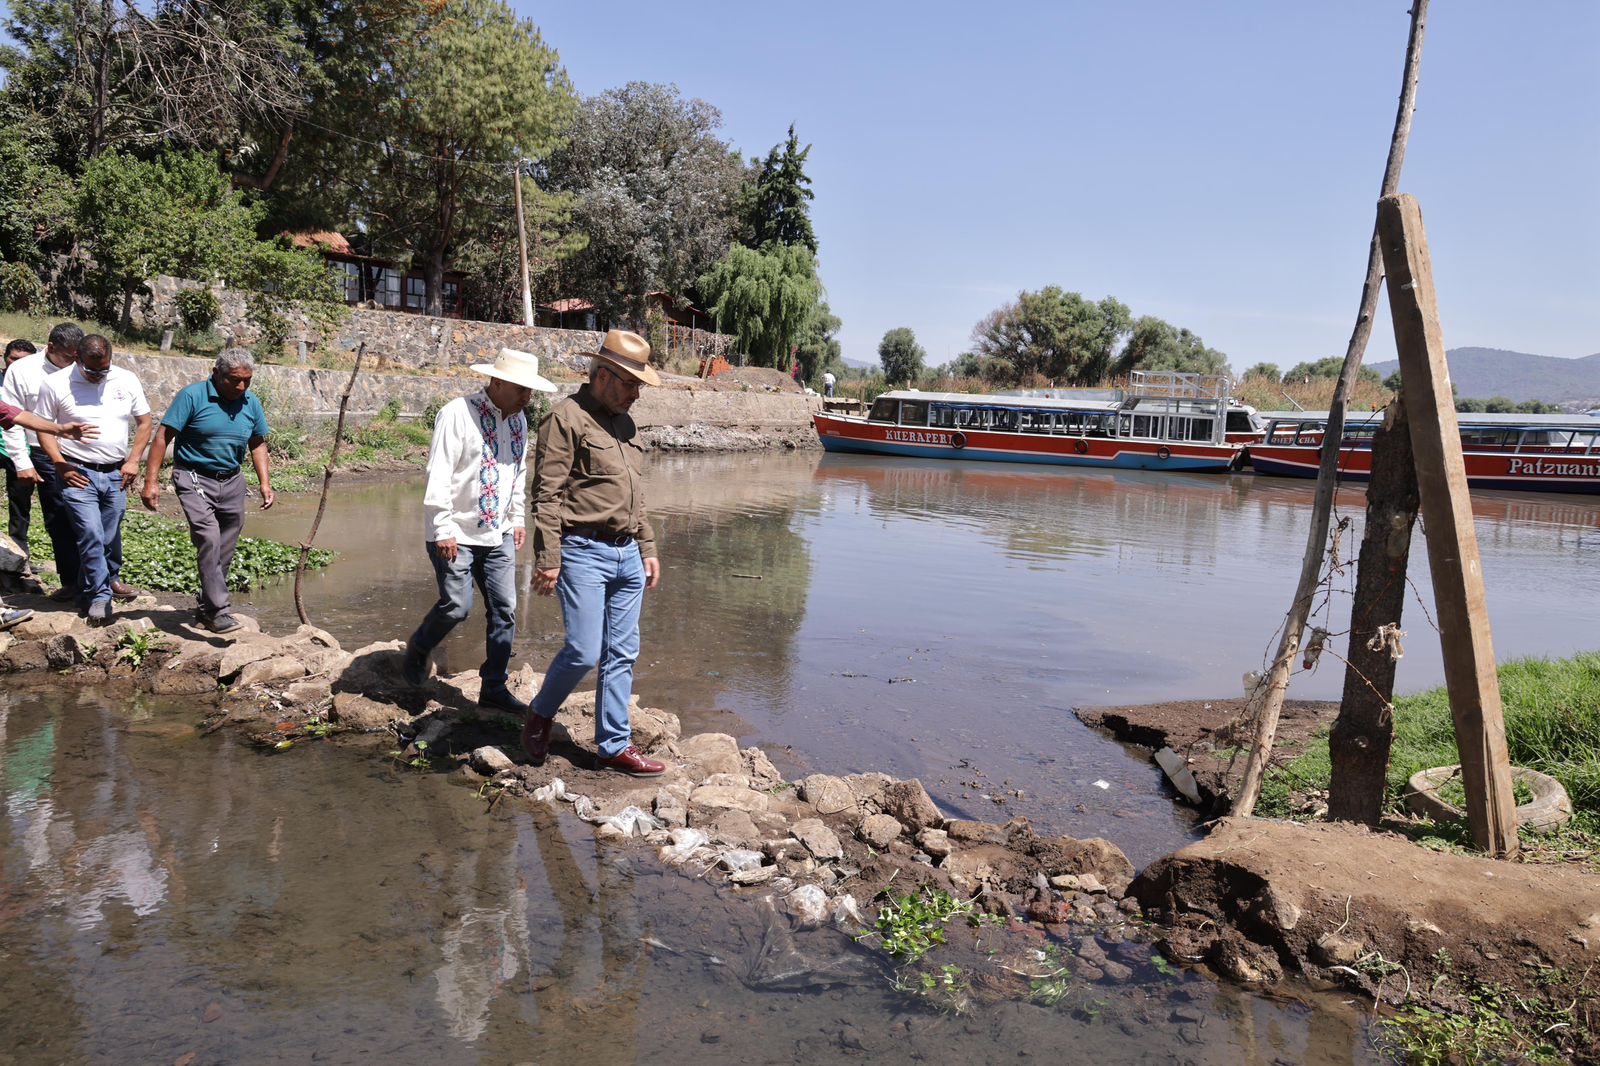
[555,790]
[1102,784]
[634,821]
[685,842]
[736,859]
[807,905]
[1172,765]
[585,808]
[847,913]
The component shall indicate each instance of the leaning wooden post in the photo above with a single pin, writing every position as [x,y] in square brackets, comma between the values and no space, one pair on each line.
[1266,702]
[327,480]
[1469,665]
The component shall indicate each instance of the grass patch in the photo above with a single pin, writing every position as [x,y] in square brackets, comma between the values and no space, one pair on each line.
[157,554]
[1552,715]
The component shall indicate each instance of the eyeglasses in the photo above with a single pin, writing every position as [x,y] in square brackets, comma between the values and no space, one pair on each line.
[94,375]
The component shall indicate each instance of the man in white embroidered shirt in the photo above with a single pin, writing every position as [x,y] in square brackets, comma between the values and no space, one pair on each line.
[95,474]
[473,509]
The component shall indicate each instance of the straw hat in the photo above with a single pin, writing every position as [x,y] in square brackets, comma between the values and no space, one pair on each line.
[519,368]
[628,353]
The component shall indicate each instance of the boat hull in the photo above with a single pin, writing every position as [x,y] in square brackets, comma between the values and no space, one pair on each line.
[1105,453]
[1525,472]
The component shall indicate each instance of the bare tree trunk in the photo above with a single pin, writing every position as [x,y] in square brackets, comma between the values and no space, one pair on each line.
[1364,730]
[1266,702]
[327,481]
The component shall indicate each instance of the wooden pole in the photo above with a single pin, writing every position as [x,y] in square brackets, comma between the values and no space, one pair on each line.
[1266,702]
[1469,666]
[327,480]
[522,252]
[1364,731]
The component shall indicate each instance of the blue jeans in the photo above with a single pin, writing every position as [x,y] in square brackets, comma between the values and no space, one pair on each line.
[493,569]
[96,514]
[57,522]
[601,590]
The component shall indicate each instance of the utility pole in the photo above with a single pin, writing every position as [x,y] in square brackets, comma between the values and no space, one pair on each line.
[522,251]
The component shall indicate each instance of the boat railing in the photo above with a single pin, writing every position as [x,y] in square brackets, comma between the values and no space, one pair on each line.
[1178,385]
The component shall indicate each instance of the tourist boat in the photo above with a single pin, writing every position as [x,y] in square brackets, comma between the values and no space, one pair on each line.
[1528,453]
[1161,421]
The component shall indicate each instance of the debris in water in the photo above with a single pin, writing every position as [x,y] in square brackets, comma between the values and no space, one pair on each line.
[1172,765]
[1102,784]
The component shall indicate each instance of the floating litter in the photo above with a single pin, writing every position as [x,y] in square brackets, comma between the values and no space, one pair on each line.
[1102,784]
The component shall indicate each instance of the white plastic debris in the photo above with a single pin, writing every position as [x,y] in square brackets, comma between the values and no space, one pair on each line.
[555,790]
[807,905]
[585,808]
[1177,772]
[685,842]
[1102,784]
[1251,681]
[736,859]
[847,913]
[633,821]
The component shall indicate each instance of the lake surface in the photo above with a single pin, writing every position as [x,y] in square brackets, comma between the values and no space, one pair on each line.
[164,893]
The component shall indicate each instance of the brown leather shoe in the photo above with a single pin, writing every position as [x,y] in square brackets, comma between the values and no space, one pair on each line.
[536,737]
[122,591]
[634,763]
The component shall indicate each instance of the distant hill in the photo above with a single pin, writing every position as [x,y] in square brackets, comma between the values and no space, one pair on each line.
[1482,373]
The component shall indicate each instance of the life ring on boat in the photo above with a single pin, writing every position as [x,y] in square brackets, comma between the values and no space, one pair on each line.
[1081,447]
[958,439]
[1163,453]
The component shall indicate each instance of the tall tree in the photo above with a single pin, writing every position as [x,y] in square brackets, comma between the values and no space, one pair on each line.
[1055,334]
[471,94]
[772,202]
[765,298]
[1154,344]
[900,355]
[818,349]
[488,254]
[656,189]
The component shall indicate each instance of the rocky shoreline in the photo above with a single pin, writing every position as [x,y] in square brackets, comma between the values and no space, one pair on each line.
[1256,901]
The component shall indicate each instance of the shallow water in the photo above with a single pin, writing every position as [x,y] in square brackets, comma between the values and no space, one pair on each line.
[166,895]
[163,893]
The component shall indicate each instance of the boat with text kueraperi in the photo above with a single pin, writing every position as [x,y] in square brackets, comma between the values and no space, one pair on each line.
[1527,453]
[1161,421]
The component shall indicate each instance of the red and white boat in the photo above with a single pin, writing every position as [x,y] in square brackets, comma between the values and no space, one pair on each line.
[1527,453]
[1160,422]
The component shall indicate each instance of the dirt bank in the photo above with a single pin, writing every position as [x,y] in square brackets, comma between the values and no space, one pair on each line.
[1432,934]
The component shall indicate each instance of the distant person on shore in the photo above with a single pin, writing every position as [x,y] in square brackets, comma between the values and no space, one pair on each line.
[95,475]
[20,500]
[828,382]
[594,549]
[33,467]
[15,416]
[473,518]
[215,424]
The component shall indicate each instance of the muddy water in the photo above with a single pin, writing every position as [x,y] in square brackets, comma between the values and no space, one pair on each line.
[163,893]
[167,897]
[940,620]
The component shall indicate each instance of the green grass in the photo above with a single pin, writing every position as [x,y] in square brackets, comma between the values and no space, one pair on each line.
[1552,716]
[157,555]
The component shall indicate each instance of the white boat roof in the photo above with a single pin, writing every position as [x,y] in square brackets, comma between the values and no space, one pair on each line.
[1465,418]
[1099,400]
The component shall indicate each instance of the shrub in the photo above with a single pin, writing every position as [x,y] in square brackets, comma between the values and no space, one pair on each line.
[198,310]
[20,288]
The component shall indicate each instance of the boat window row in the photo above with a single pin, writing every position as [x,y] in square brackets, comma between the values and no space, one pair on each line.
[1073,422]
[1567,441]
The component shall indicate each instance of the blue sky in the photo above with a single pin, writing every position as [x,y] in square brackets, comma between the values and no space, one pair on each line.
[1215,164]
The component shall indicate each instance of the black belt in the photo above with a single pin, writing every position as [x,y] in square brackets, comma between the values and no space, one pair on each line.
[603,536]
[99,468]
[229,476]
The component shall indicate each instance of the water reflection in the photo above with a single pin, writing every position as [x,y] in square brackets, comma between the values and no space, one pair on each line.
[169,897]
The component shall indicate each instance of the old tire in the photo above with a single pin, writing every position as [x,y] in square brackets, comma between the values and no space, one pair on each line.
[1549,809]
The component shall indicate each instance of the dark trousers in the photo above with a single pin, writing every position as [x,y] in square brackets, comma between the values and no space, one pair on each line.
[57,519]
[215,510]
[19,494]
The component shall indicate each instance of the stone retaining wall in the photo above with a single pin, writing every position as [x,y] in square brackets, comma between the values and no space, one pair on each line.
[313,392]
[417,342]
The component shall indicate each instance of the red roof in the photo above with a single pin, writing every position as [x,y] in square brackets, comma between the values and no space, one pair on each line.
[568,305]
[325,239]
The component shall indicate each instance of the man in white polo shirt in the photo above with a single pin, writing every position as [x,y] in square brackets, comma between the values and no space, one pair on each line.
[96,475]
[473,518]
[21,389]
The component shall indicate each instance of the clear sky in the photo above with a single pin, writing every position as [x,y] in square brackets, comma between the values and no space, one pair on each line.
[1215,164]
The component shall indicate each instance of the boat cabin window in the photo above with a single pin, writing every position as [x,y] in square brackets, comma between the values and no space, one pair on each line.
[1238,422]
[1087,423]
[1135,425]
[885,410]
[913,413]
[1190,428]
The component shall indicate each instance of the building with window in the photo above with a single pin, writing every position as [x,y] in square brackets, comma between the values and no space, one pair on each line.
[380,282]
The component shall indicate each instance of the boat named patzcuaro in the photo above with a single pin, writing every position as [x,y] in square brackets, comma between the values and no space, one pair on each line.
[1527,453]
[1161,421]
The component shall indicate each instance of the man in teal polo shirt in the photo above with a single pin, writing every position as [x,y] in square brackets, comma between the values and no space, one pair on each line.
[215,424]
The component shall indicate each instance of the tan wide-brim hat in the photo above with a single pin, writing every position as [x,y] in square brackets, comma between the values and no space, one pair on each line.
[519,368]
[628,353]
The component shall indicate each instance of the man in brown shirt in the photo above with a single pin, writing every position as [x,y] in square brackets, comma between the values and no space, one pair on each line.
[594,549]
